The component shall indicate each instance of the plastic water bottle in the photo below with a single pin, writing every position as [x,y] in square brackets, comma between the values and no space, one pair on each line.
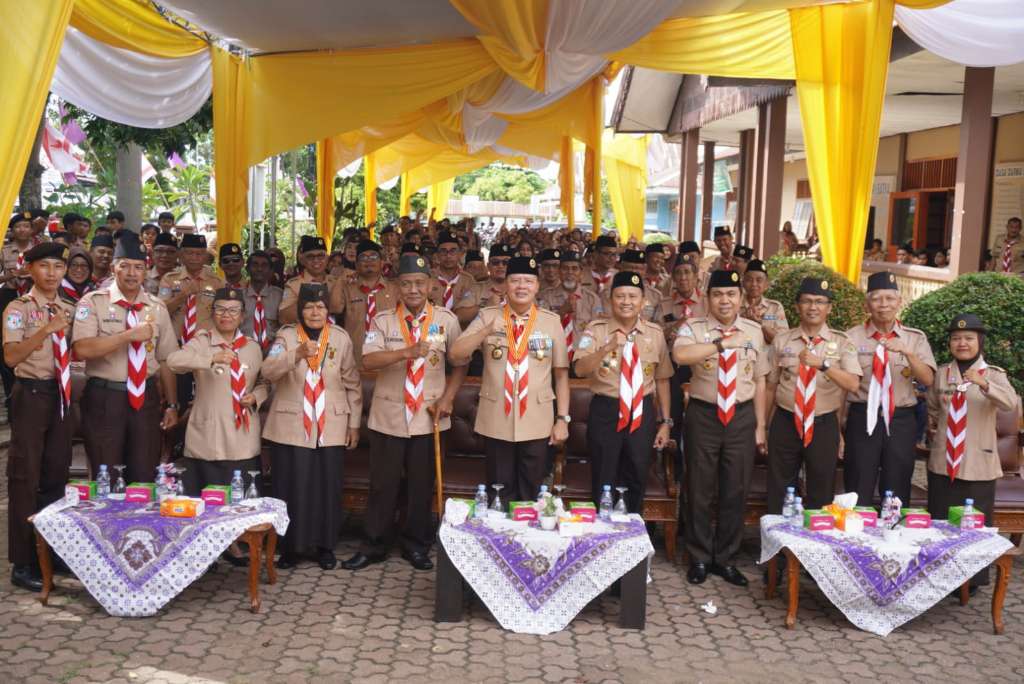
[798,511]
[887,510]
[605,508]
[480,511]
[966,523]
[103,483]
[237,488]
[543,491]
[787,504]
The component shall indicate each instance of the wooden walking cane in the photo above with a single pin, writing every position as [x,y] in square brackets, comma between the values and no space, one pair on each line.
[437,467]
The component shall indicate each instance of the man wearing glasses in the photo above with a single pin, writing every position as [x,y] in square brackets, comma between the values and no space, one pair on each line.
[230,258]
[362,299]
[452,288]
[605,255]
[492,291]
[313,259]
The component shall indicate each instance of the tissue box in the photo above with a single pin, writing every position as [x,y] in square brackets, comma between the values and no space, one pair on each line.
[584,511]
[869,515]
[522,510]
[819,519]
[851,522]
[916,518]
[216,495]
[140,492]
[182,507]
[86,488]
[956,514]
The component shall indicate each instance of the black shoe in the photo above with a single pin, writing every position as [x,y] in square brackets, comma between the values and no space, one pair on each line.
[326,559]
[287,561]
[730,574]
[27,577]
[418,560]
[971,591]
[237,561]
[697,574]
[362,560]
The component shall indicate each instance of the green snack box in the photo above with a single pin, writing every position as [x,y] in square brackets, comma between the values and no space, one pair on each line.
[86,488]
[956,514]
[916,518]
[582,504]
[522,510]
[140,492]
[818,519]
[216,495]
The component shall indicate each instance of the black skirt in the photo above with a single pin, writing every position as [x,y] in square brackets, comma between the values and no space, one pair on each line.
[310,482]
[200,473]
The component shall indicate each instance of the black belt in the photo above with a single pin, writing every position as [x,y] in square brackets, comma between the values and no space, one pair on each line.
[862,406]
[49,386]
[114,385]
[694,400]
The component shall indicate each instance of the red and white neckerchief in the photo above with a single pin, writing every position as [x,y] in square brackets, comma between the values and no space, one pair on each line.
[259,322]
[517,367]
[238,382]
[136,383]
[687,304]
[188,329]
[601,280]
[314,399]
[371,302]
[652,283]
[569,327]
[880,390]
[499,295]
[728,361]
[1008,256]
[631,386]
[70,290]
[22,284]
[449,289]
[956,422]
[412,328]
[61,363]
[804,398]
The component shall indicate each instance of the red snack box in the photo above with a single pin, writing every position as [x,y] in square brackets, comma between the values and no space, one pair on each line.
[869,515]
[916,518]
[585,514]
[523,510]
[818,520]
[216,495]
[140,492]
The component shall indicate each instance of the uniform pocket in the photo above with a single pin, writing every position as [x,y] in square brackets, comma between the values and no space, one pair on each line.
[287,407]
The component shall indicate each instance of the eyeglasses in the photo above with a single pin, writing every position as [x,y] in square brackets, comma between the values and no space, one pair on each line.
[227,310]
[499,262]
[231,260]
[448,252]
[368,256]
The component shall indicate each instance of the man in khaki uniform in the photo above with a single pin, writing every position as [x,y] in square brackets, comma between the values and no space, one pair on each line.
[102,251]
[260,295]
[575,305]
[550,276]
[892,357]
[627,362]
[452,287]
[476,268]
[125,335]
[724,243]
[361,300]
[756,307]
[1008,250]
[165,260]
[491,292]
[191,279]
[230,258]
[633,262]
[36,333]
[605,254]
[313,257]
[407,348]
[15,274]
[819,364]
[725,423]
[655,276]
[523,347]
[683,301]
[741,257]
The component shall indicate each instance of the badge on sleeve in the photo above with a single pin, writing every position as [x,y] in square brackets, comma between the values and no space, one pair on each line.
[371,337]
[81,313]
[164,292]
[586,342]
[685,330]
[277,349]
[15,321]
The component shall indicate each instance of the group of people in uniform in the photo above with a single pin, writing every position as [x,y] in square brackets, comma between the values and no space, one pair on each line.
[635,325]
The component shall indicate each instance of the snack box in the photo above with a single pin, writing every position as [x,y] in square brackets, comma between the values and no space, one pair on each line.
[916,518]
[86,488]
[868,514]
[472,506]
[956,514]
[216,495]
[182,507]
[819,519]
[522,510]
[140,492]
[584,511]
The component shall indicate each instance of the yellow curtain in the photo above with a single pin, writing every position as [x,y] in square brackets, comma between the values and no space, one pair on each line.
[29,56]
[625,167]
[596,135]
[370,191]
[437,197]
[567,182]
[540,132]
[842,58]
[512,32]
[325,173]
[453,163]
[230,163]
[405,199]
[133,25]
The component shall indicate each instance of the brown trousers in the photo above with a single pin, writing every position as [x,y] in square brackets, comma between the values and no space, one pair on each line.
[38,461]
[393,458]
[117,434]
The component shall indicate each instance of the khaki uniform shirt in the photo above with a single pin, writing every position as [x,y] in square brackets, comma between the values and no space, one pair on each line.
[152,282]
[587,280]
[786,348]
[489,294]
[1017,250]
[387,410]
[354,307]
[649,312]
[773,314]
[464,291]
[98,315]
[587,305]
[211,434]
[981,456]
[9,256]
[662,282]
[172,284]
[902,376]
[286,313]
[672,304]
[343,409]
[654,357]
[539,418]
[721,263]
[752,363]
[271,304]
[22,318]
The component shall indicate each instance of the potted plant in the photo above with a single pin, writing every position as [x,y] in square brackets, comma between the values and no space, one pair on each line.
[548,513]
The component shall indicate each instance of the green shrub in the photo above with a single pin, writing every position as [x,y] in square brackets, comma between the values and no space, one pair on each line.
[847,304]
[776,263]
[997,299]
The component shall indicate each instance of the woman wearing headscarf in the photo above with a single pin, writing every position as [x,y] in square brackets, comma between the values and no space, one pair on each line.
[314,416]
[963,403]
[78,279]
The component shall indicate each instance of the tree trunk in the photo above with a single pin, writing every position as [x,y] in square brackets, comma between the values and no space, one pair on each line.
[30,196]
[129,184]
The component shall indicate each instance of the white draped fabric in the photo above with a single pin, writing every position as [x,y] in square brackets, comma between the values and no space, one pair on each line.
[128,87]
[979,33]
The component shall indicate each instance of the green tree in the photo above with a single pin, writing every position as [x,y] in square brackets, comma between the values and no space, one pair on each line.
[502,183]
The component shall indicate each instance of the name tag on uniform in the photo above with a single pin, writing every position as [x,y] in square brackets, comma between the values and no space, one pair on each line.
[769,317]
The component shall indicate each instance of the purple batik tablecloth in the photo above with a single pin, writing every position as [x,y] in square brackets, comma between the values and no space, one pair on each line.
[878,585]
[133,560]
[536,582]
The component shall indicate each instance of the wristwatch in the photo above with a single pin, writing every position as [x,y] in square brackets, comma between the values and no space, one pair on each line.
[825,365]
[567,418]
[176,407]
[667,421]
[718,345]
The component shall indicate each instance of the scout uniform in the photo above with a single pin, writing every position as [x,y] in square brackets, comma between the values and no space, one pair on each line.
[361,302]
[516,410]
[586,307]
[13,258]
[39,454]
[817,444]
[621,423]
[956,474]
[222,435]
[658,280]
[192,314]
[459,292]
[770,313]
[887,393]
[491,292]
[401,427]
[153,275]
[1007,254]
[101,280]
[121,404]
[652,297]
[599,282]
[676,308]
[261,313]
[287,312]
[309,437]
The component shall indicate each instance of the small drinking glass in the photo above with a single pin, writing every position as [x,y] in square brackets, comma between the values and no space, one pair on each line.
[620,505]
[252,492]
[496,504]
[119,486]
[179,480]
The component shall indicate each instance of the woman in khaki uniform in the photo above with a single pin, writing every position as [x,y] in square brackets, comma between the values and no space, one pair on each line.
[963,402]
[314,417]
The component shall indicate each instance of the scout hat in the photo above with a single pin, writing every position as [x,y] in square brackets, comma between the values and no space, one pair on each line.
[165,240]
[501,250]
[413,263]
[605,241]
[193,241]
[445,238]
[655,248]
[627,279]
[102,240]
[722,278]
[230,249]
[743,252]
[410,248]
[521,265]
[815,286]
[966,321]
[633,256]
[311,292]
[689,247]
[722,231]
[47,250]
[165,215]
[129,247]
[883,280]
[569,255]
[367,246]
[756,265]
[550,255]
[308,243]
[229,294]
[25,216]
[473,255]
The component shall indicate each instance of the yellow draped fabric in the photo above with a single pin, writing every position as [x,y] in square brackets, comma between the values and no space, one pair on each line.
[405,198]
[540,132]
[597,136]
[437,197]
[29,56]
[230,163]
[922,4]
[453,163]
[134,25]
[370,190]
[512,32]
[842,57]
[625,167]
[567,182]
[403,155]
[325,173]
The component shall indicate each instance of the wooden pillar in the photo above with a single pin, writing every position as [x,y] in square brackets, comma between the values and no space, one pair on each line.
[901,160]
[708,191]
[774,161]
[757,187]
[973,171]
[744,176]
[688,205]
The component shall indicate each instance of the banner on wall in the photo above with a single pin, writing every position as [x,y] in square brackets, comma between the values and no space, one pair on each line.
[1007,197]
